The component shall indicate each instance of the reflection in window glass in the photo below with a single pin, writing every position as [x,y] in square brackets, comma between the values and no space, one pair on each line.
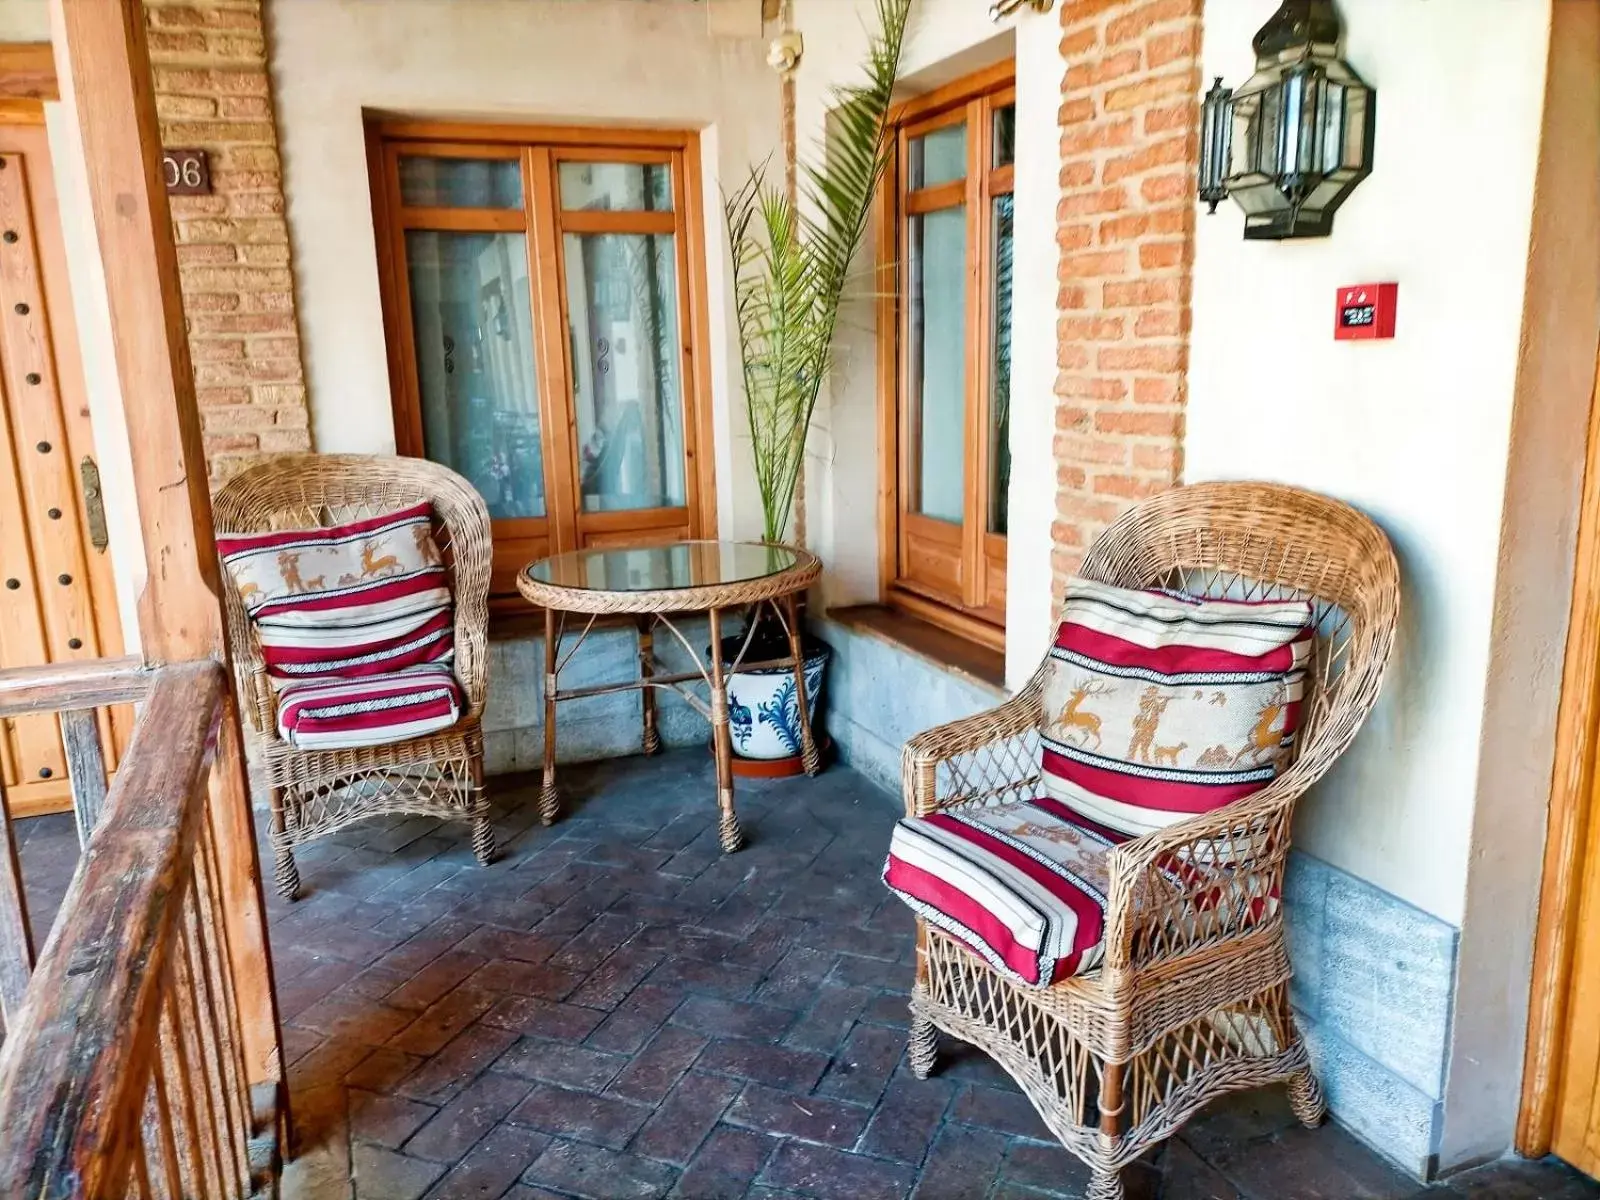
[1005,135]
[460,182]
[1000,369]
[616,187]
[938,157]
[622,300]
[938,359]
[472,330]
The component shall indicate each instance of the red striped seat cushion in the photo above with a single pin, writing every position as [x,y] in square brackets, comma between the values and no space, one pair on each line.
[334,714]
[362,598]
[1158,706]
[1022,885]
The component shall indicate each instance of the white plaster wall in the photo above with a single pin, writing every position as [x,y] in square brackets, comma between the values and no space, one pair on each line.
[618,62]
[24,21]
[946,39]
[1415,430]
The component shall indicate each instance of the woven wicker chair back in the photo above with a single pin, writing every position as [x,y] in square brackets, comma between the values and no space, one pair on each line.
[1261,541]
[301,491]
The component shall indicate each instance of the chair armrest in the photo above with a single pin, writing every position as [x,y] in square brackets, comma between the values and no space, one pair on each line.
[987,758]
[249,671]
[1201,881]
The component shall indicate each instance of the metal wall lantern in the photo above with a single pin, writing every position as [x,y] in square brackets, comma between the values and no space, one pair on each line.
[1295,140]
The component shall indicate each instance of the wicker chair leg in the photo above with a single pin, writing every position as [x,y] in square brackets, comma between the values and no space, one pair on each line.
[923,1050]
[729,833]
[482,830]
[1105,1185]
[549,801]
[483,840]
[284,873]
[1305,1098]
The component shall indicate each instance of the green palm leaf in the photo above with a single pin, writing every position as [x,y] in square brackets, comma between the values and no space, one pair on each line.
[790,268]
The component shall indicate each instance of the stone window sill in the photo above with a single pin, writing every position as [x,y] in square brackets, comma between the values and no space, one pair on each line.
[983,665]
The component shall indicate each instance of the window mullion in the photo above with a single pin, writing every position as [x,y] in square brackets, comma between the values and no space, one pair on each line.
[556,417]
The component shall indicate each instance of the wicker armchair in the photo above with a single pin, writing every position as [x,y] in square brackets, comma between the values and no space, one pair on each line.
[1191,1000]
[317,792]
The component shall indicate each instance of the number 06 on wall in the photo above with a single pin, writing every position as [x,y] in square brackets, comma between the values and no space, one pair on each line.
[186,172]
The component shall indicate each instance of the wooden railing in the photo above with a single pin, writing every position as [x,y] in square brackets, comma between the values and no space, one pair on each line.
[124,1069]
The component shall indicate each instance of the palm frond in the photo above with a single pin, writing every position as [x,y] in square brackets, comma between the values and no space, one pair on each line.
[791,268]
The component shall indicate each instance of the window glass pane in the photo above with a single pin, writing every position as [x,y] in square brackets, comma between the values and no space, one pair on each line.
[938,157]
[460,182]
[622,299]
[620,187]
[1005,135]
[472,325]
[938,360]
[999,475]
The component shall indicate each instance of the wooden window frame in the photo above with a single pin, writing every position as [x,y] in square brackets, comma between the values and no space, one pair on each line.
[951,575]
[540,149]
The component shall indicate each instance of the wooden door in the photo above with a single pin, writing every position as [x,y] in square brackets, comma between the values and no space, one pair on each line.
[1561,1081]
[57,597]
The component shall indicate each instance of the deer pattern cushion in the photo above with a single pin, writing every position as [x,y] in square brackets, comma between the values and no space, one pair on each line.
[1158,706]
[363,598]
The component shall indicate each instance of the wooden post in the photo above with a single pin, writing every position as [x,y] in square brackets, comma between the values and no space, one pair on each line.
[103,66]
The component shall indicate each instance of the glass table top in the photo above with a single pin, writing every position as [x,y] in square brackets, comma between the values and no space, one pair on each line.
[663,568]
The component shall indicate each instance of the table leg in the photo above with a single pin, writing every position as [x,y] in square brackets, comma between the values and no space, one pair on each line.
[647,694]
[722,739]
[809,757]
[549,802]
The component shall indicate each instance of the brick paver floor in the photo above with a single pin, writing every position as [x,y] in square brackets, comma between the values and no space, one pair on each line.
[617,1010]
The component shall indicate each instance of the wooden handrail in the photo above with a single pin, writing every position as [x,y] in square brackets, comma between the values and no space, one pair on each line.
[69,686]
[124,1059]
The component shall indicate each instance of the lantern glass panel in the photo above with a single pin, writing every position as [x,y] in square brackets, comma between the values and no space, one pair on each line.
[1331,134]
[1216,129]
[1268,156]
[1291,160]
[1357,118]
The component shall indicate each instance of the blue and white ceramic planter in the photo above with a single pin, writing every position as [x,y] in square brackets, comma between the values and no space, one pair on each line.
[762,713]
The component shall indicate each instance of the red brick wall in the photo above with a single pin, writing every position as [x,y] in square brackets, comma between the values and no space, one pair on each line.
[1125,226]
[213,93]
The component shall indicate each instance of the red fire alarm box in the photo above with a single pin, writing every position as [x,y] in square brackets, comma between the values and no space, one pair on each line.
[1365,310]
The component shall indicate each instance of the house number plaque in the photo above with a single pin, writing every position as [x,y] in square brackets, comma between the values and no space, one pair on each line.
[187,172]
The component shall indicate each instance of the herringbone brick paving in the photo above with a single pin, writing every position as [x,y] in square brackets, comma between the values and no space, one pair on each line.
[615,1009]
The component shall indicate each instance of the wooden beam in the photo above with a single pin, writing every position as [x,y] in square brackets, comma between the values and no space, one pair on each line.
[28,71]
[16,932]
[67,686]
[103,65]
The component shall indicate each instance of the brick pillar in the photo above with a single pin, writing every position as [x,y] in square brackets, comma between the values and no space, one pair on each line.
[1125,226]
[213,93]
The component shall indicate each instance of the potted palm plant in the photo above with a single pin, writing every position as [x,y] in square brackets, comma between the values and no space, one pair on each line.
[793,252]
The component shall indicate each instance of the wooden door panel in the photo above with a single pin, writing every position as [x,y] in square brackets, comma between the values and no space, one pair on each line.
[661,536]
[931,556]
[511,554]
[57,592]
[994,577]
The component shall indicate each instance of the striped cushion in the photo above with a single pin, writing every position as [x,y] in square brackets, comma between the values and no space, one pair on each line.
[1022,885]
[1158,706]
[333,714]
[363,598]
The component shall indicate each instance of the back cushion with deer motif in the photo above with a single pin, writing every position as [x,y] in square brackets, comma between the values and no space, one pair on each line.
[1158,706]
[364,598]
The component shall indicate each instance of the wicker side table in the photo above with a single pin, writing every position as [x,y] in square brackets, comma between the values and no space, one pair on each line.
[654,583]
